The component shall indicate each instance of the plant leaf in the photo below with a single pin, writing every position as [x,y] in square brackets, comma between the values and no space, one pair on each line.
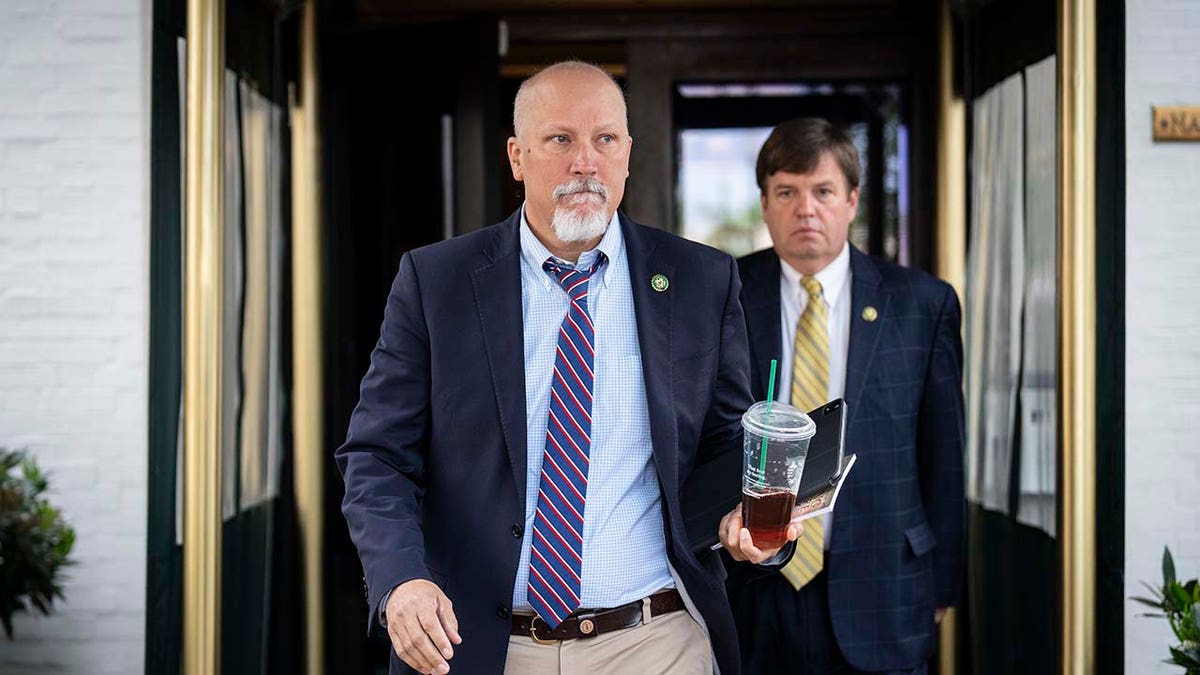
[1168,564]
[35,541]
[1181,598]
[1187,658]
[1190,628]
[1147,601]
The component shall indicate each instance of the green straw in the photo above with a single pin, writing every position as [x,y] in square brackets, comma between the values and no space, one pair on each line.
[762,453]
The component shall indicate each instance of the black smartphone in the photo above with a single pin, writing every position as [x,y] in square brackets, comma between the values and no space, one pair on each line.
[716,487]
[823,466]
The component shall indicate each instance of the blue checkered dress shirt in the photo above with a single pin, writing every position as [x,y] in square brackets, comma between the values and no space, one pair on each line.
[624,548]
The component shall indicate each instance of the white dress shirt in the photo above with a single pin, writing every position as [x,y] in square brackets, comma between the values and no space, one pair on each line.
[835,289]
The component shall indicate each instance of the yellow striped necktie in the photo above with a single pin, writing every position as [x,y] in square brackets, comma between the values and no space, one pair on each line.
[810,388]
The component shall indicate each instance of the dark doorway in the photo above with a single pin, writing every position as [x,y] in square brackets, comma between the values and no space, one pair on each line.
[416,103]
[404,122]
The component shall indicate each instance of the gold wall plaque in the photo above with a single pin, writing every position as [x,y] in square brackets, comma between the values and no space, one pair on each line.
[1176,123]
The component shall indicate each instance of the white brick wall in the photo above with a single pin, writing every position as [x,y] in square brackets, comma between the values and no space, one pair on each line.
[74,83]
[1162,350]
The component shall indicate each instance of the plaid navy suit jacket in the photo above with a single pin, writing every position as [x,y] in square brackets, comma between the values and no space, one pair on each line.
[896,550]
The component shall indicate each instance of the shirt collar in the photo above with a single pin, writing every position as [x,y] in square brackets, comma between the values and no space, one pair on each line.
[832,278]
[535,252]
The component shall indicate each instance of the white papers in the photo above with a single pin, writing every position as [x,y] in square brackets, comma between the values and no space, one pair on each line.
[824,501]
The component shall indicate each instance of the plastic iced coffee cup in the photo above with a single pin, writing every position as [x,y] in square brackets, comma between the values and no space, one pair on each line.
[776,444]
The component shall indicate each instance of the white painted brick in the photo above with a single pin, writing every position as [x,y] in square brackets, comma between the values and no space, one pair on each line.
[19,302]
[94,28]
[110,101]
[20,8]
[28,50]
[100,8]
[27,128]
[101,124]
[73,316]
[73,275]
[1162,348]
[29,78]
[72,251]
[21,377]
[67,53]
[23,175]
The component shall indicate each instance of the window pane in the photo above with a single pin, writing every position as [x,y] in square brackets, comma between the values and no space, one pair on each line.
[718,197]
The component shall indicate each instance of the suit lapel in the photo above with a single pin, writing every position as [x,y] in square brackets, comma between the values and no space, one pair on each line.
[761,295]
[654,312]
[864,335]
[497,285]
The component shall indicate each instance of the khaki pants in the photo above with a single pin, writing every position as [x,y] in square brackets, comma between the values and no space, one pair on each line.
[671,644]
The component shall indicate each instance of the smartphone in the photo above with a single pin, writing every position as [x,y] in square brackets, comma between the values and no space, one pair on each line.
[823,466]
[716,487]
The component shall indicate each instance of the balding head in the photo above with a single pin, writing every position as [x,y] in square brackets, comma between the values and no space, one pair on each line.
[571,151]
[551,75]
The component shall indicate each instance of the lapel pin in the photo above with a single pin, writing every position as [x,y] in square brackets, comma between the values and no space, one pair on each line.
[659,282]
[869,313]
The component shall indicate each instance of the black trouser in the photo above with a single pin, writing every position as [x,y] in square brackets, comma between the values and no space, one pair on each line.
[787,632]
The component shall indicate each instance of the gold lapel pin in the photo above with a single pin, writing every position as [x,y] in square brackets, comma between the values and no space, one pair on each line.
[659,282]
[869,313]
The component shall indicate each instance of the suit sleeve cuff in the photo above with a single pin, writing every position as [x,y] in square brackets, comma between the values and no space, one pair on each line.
[780,559]
[383,608]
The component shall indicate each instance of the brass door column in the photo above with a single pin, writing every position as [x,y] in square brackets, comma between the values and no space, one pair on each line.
[203,270]
[1077,326]
[307,339]
[951,236]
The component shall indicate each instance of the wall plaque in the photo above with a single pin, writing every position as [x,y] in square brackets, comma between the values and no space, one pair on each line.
[1176,123]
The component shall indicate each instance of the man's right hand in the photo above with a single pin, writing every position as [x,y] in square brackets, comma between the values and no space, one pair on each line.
[422,626]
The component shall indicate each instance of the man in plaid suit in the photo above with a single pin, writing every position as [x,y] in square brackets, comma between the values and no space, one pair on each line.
[868,585]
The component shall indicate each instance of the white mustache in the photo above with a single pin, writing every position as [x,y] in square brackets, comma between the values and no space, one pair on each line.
[581,185]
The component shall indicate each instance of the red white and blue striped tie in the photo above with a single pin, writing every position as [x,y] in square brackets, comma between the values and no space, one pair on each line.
[556,556]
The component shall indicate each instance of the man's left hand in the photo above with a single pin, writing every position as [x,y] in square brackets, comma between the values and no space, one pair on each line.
[736,538]
[938,613]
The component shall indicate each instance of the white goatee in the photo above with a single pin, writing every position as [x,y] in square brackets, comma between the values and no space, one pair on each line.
[571,225]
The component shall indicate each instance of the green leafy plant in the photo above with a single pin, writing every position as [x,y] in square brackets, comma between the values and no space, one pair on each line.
[1179,603]
[35,542]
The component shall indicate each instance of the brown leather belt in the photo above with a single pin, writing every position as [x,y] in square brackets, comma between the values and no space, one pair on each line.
[586,623]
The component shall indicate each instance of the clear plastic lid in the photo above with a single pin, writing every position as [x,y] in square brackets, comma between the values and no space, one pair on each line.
[778,421]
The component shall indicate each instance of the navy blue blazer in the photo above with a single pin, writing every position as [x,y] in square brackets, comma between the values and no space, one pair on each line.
[435,457]
[896,550]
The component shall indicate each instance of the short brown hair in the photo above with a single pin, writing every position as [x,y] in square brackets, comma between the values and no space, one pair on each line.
[796,146]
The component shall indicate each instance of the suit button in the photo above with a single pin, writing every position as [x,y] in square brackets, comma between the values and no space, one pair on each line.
[502,612]
[517,530]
